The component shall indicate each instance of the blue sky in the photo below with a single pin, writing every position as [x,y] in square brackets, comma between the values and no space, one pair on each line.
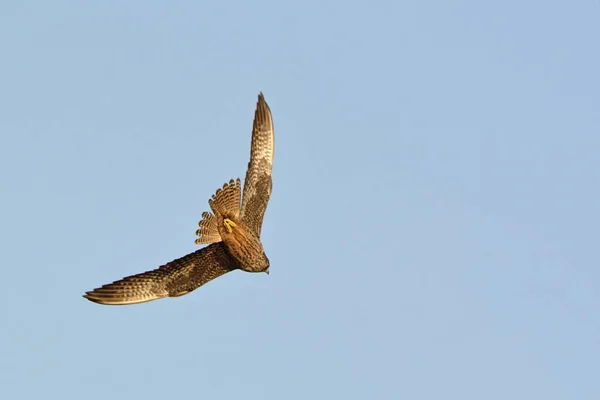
[434,225]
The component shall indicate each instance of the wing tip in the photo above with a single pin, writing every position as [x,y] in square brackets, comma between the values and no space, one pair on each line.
[90,296]
[262,114]
[105,296]
[261,101]
[106,301]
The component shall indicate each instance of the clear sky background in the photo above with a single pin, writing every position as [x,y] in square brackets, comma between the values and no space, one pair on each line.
[434,225]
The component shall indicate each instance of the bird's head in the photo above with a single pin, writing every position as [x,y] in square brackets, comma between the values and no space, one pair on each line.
[258,263]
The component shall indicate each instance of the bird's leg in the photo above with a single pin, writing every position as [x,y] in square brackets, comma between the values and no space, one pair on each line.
[229,224]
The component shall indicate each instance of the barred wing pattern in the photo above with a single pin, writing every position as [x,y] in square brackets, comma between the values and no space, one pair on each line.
[173,279]
[258,182]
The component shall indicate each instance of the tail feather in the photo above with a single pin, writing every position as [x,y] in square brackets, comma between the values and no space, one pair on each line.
[208,232]
[226,201]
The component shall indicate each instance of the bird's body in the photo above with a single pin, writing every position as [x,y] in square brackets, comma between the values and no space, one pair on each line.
[232,232]
[239,240]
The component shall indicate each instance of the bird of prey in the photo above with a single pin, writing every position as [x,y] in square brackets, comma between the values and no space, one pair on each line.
[232,232]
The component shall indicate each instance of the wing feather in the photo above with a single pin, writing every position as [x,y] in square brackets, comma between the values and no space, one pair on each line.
[173,279]
[258,183]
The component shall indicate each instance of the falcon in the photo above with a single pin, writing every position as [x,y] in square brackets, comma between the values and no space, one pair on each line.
[232,232]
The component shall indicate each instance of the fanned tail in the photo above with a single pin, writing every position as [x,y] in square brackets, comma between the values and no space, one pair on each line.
[226,201]
[208,232]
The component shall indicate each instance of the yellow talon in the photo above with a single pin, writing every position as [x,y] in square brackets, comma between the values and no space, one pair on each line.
[229,224]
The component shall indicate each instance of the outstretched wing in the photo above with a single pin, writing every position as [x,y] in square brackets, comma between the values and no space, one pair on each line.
[174,279]
[258,183]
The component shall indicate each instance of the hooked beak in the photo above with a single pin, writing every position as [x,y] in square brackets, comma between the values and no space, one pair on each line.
[267,271]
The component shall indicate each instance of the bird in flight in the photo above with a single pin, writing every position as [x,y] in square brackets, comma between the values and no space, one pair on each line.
[232,232]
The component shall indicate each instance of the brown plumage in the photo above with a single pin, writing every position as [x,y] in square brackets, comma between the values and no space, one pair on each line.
[232,232]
